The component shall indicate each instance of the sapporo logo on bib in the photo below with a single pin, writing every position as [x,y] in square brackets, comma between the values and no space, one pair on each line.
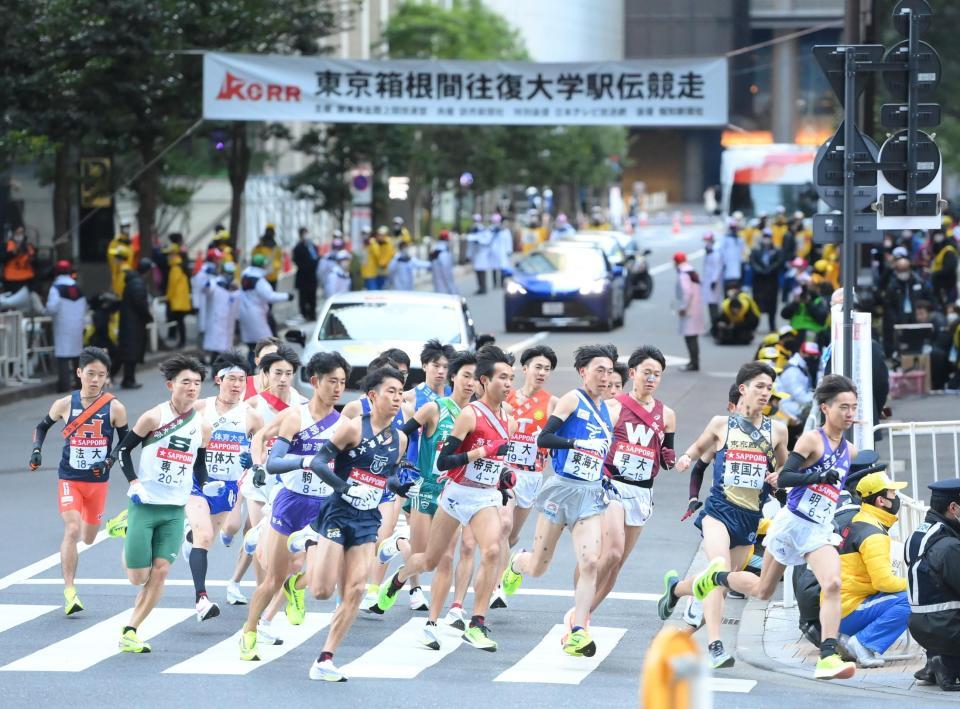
[744,468]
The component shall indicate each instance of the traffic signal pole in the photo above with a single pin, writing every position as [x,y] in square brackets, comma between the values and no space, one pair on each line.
[849,253]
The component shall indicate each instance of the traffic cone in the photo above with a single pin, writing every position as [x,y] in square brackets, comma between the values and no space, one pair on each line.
[687,218]
[676,223]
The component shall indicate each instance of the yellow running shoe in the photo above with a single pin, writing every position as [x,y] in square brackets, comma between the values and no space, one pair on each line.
[248,646]
[833,667]
[71,603]
[117,526]
[510,580]
[296,608]
[704,583]
[129,642]
[580,644]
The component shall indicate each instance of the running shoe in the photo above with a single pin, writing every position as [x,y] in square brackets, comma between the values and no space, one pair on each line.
[668,601]
[429,637]
[326,671]
[235,596]
[265,635]
[248,646]
[693,613]
[499,598]
[568,618]
[296,600]
[580,644]
[456,619]
[117,526]
[226,539]
[704,583]
[71,604]
[252,537]
[833,667]
[206,609]
[297,542]
[129,642]
[719,658]
[389,547]
[851,650]
[479,637]
[369,602]
[735,596]
[511,580]
[388,594]
[418,600]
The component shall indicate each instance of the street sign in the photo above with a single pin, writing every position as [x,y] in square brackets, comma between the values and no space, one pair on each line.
[903,10]
[863,197]
[828,229]
[896,115]
[926,74]
[928,159]
[95,183]
[892,202]
[828,166]
[832,58]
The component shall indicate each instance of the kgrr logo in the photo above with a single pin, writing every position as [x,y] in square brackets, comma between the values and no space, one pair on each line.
[235,88]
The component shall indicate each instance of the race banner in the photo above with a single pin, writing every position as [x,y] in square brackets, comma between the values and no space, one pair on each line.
[649,92]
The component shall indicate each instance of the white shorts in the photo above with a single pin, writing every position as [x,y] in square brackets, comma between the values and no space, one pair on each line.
[637,503]
[462,502]
[790,538]
[263,494]
[527,488]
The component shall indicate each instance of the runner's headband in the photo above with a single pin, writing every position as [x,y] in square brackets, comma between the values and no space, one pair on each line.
[231,370]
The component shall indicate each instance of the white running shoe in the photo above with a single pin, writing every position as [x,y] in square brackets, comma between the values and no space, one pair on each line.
[456,619]
[226,539]
[370,597]
[429,637]
[252,537]
[499,598]
[297,542]
[326,671]
[418,600]
[693,613]
[207,609]
[265,636]
[389,548]
[235,596]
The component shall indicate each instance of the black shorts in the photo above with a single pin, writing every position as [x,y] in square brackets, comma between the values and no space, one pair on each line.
[741,524]
[348,527]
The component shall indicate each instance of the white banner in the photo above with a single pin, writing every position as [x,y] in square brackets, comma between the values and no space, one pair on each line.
[649,92]
[862,370]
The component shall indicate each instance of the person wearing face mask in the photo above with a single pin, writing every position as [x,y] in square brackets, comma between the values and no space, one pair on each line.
[943,268]
[711,286]
[766,262]
[932,555]
[903,291]
[873,600]
[272,254]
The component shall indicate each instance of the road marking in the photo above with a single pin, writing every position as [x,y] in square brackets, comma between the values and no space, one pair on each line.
[37,567]
[660,268]
[95,644]
[12,615]
[548,664]
[224,658]
[401,656]
[738,686]
[527,342]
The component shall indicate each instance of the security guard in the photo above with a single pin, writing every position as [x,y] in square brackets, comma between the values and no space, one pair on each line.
[933,559]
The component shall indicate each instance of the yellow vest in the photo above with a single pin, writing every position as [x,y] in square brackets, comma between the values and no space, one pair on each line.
[937,264]
[119,257]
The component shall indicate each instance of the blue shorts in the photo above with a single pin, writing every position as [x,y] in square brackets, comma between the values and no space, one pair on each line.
[292,511]
[741,524]
[223,502]
[341,523]
[388,496]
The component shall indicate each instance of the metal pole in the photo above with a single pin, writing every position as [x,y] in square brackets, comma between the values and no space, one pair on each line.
[849,248]
[912,49]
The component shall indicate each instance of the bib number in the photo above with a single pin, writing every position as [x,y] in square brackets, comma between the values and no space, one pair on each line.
[484,471]
[521,452]
[819,502]
[366,490]
[85,453]
[634,462]
[584,464]
[223,458]
[744,469]
[311,484]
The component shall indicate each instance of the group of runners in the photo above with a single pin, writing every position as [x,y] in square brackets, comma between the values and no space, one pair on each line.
[464,456]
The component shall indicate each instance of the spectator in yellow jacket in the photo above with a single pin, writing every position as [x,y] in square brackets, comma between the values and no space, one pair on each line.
[370,266]
[119,257]
[272,254]
[874,606]
[385,253]
[179,304]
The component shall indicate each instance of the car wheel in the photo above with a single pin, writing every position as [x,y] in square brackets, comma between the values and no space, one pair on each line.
[644,287]
[512,326]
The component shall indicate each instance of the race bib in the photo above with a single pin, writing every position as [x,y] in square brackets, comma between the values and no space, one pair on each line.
[484,471]
[223,455]
[584,464]
[744,469]
[521,451]
[634,462]
[367,489]
[86,452]
[819,502]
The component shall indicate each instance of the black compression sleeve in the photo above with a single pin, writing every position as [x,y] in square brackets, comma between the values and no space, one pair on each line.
[409,426]
[41,431]
[448,458]
[548,437]
[200,467]
[790,475]
[122,432]
[696,477]
[130,441]
[320,464]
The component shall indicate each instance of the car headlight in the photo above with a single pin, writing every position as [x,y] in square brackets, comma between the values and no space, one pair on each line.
[594,288]
[514,288]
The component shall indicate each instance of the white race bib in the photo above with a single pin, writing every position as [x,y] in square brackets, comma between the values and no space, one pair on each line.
[744,468]
[584,464]
[521,451]
[174,466]
[819,502]
[85,452]
[484,471]
[367,489]
[223,458]
[634,462]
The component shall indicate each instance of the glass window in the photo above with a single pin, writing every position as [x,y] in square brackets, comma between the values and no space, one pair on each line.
[393,320]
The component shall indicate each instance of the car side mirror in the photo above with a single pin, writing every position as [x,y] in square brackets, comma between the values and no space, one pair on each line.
[295,336]
[647,252]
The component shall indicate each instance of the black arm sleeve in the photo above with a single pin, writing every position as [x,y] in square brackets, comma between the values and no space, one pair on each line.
[129,442]
[448,458]
[122,432]
[696,477]
[41,431]
[791,476]
[548,437]
[321,466]
[668,456]
[200,467]
[409,426]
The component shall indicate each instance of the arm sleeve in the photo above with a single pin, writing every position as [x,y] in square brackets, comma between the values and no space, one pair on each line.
[409,426]
[130,441]
[875,551]
[668,455]
[200,467]
[321,465]
[548,437]
[696,477]
[448,458]
[40,434]
[790,475]
[122,432]
[281,460]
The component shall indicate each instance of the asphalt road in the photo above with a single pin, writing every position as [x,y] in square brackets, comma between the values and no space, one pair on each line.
[46,657]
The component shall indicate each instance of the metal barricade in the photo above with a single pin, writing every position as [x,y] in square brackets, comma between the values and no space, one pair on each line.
[918,443]
[13,352]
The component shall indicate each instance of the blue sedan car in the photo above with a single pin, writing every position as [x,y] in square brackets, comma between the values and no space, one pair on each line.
[562,285]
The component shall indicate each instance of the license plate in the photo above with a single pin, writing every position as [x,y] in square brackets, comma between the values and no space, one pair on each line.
[553,308]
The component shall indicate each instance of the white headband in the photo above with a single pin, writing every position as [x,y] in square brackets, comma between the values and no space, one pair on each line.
[231,370]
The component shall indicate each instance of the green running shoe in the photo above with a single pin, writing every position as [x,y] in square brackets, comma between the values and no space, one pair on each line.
[479,637]
[117,526]
[833,667]
[296,609]
[580,644]
[248,646]
[668,601]
[704,583]
[71,603]
[511,580]
[129,642]
[388,594]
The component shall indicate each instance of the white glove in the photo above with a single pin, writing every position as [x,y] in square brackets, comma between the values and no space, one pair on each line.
[212,488]
[597,445]
[138,493]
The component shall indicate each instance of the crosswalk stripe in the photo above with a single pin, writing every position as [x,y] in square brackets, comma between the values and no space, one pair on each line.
[223,658]
[95,644]
[725,684]
[13,614]
[548,664]
[45,563]
[401,656]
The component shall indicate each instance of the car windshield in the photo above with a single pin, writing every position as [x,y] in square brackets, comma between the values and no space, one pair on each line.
[585,261]
[608,243]
[393,320]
